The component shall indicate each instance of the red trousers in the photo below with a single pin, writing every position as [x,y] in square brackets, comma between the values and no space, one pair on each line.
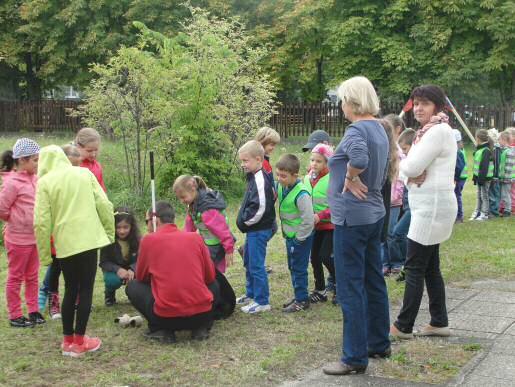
[23,266]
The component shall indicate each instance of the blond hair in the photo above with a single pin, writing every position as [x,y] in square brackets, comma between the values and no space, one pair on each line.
[359,94]
[86,136]
[505,136]
[289,163]
[253,148]
[70,150]
[267,135]
[189,183]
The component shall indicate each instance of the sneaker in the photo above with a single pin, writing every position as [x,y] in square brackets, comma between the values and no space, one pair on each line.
[396,333]
[21,322]
[318,296]
[482,217]
[288,303]
[66,348]
[109,298]
[55,309]
[36,318]
[90,344]
[330,285]
[244,300]
[474,215]
[42,299]
[268,270]
[434,331]
[255,308]
[297,306]
[386,271]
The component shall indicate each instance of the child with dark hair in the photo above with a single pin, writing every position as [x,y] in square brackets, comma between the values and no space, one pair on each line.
[118,260]
[483,174]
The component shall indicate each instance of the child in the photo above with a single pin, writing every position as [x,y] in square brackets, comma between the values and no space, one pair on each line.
[206,213]
[88,143]
[72,207]
[506,171]
[17,209]
[317,183]
[494,192]
[118,260]
[256,218]
[297,223]
[483,174]
[49,289]
[269,139]
[460,174]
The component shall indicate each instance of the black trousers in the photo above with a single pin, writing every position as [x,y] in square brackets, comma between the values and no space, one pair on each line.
[422,264]
[140,296]
[79,272]
[321,254]
[53,275]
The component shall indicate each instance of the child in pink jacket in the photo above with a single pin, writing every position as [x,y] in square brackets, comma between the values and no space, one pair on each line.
[206,214]
[17,209]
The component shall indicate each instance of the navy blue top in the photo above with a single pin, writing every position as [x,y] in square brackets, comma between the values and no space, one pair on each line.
[364,146]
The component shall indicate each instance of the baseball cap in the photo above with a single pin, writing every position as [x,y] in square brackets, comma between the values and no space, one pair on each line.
[457,134]
[317,137]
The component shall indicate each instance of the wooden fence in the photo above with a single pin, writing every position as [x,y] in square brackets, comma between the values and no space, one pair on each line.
[38,116]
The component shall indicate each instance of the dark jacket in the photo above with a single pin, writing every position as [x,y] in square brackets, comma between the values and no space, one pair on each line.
[208,200]
[111,258]
[496,159]
[257,211]
[460,164]
[483,165]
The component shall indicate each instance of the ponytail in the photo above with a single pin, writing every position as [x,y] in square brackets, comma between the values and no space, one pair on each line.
[189,183]
[7,161]
[201,184]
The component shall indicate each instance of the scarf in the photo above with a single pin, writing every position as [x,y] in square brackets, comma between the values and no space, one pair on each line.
[435,120]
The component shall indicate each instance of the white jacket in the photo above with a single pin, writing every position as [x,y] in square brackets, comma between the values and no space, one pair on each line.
[433,205]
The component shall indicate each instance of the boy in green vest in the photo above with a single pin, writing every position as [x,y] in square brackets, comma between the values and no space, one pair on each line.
[297,223]
[506,171]
[483,172]
[460,174]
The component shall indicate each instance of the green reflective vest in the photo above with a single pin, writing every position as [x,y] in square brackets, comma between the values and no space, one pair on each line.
[502,165]
[478,156]
[288,211]
[209,238]
[465,173]
[319,194]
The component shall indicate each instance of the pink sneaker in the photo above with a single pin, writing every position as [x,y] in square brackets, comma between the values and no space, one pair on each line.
[55,310]
[90,344]
[66,348]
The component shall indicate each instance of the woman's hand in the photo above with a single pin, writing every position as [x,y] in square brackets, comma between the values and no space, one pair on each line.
[356,187]
[122,273]
[419,180]
[130,275]
[229,259]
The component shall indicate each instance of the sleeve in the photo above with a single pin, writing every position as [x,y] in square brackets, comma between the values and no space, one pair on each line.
[7,197]
[43,225]
[305,206]
[189,225]
[207,263]
[106,259]
[142,269]
[460,164]
[355,146]
[324,214]
[483,166]
[397,191]
[104,208]
[257,204]
[217,225]
[423,153]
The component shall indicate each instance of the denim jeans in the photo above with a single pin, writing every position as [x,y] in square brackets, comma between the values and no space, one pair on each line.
[385,254]
[112,281]
[254,262]
[361,291]
[494,197]
[458,189]
[423,263]
[397,241]
[298,261]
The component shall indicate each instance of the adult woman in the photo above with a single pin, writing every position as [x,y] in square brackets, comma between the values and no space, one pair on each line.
[358,169]
[429,168]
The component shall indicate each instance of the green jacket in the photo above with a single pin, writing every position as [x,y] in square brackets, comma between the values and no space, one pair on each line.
[70,206]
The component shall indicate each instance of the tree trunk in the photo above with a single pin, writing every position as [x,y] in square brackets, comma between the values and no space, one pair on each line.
[33,82]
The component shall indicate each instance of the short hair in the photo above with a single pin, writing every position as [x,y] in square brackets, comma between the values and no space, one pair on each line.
[505,136]
[70,150]
[433,93]
[289,163]
[407,137]
[266,135]
[86,136]
[164,211]
[359,93]
[253,148]
[395,121]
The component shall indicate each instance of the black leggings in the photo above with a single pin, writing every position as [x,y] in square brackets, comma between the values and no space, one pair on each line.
[321,253]
[79,272]
[53,276]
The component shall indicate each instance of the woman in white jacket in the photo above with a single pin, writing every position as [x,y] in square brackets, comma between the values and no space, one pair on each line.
[429,172]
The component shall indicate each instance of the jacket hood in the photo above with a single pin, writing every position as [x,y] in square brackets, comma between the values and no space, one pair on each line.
[51,158]
[209,200]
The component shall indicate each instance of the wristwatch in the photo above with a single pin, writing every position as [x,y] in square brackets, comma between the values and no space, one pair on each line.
[353,179]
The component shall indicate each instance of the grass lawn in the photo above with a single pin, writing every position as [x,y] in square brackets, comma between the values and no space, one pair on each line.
[243,350]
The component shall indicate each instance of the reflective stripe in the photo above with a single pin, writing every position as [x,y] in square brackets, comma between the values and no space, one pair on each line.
[207,236]
[319,194]
[478,156]
[289,229]
[322,201]
[289,216]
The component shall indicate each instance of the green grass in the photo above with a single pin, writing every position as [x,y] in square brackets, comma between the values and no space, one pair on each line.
[243,350]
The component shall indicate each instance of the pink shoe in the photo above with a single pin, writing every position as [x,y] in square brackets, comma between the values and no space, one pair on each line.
[90,344]
[55,309]
[66,348]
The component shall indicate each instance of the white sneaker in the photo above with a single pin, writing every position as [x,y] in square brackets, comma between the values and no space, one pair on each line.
[474,215]
[256,308]
[482,217]
[244,300]
[56,316]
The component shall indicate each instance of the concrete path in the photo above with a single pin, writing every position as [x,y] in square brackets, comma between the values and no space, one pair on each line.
[484,314]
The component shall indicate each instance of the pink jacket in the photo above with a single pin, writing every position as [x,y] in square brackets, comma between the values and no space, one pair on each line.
[17,208]
[216,224]
[398,185]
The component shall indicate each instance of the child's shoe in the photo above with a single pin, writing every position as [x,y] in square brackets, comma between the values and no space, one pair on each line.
[318,296]
[386,271]
[255,308]
[42,299]
[90,344]
[482,217]
[55,309]
[110,297]
[296,306]
[288,303]
[36,318]
[474,215]
[334,300]
[244,300]
[21,322]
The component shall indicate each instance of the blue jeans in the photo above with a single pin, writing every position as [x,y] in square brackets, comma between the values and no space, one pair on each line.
[361,291]
[398,241]
[494,197]
[254,262]
[298,261]
[458,189]
[385,254]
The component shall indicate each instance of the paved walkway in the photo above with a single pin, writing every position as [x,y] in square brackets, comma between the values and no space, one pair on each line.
[484,314]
